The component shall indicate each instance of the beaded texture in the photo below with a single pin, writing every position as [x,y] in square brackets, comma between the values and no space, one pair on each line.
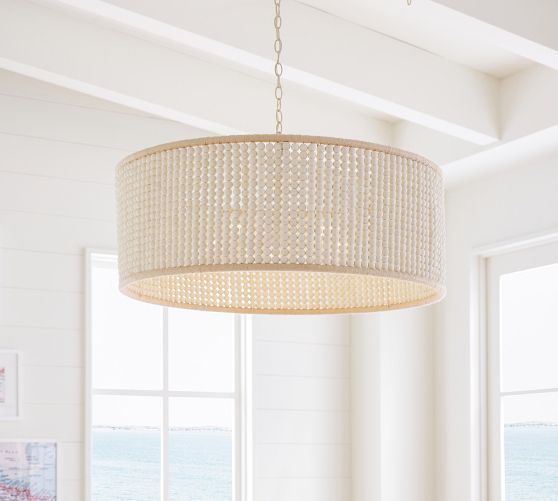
[280,224]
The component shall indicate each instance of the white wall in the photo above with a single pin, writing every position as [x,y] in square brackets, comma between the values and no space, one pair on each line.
[510,205]
[302,436]
[56,199]
[366,416]
[393,408]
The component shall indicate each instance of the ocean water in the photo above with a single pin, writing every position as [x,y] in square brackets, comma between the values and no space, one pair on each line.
[126,465]
[531,462]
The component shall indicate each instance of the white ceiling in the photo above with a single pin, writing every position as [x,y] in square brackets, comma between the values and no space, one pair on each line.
[446,37]
[467,83]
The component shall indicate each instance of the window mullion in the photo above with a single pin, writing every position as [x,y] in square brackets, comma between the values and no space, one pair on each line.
[165,417]
[119,392]
[160,393]
[528,392]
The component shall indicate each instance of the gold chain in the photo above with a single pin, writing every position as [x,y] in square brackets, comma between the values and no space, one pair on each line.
[278,69]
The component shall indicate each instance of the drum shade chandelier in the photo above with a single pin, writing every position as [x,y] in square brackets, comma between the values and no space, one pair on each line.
[280,223]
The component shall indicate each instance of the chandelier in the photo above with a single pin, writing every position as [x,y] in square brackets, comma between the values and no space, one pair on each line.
[280,223]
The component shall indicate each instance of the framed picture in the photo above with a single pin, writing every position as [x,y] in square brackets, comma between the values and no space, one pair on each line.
[10,384]
[29,470]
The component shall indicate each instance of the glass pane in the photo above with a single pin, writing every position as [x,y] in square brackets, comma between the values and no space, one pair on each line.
[201,449]
[126,340]
[201,351]
[529,329]
[531,446]
[126,448]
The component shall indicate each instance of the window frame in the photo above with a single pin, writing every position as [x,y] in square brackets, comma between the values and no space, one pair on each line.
[241,394]
[491,264]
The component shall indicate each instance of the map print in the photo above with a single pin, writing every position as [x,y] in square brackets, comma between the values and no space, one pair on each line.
[28,471]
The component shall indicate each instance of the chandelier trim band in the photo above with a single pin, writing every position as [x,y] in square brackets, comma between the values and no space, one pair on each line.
[281,138]
[437,291]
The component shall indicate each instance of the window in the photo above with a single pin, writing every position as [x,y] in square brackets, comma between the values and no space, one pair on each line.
[523,375]
[165,416]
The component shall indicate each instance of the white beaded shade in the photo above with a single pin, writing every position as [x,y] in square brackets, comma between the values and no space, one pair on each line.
[280,224]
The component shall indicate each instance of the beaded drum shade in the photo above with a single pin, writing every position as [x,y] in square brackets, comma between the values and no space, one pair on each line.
[280,224]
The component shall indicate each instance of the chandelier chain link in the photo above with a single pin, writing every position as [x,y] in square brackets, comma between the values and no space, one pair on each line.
[278,68]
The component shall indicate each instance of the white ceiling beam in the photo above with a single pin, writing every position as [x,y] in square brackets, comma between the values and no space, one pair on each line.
[525,28]
[529,110]
[72,52]
[431,144]
[507,155]
[51,120]
[528,102]
[322,53]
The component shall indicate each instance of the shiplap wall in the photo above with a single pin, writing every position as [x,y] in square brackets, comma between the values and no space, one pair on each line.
[56,199]
[301,403]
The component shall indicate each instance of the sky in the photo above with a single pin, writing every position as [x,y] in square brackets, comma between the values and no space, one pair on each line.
[529,343]
[127,344]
